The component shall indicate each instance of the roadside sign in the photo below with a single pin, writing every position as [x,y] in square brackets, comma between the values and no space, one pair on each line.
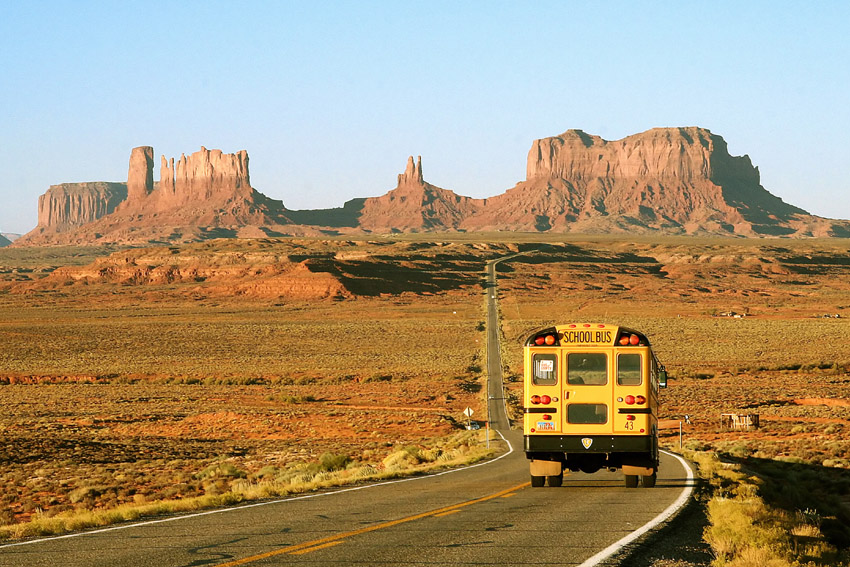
[468,412]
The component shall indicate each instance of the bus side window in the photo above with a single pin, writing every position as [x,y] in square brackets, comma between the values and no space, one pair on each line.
[628,370]
[587,368]
[545,370]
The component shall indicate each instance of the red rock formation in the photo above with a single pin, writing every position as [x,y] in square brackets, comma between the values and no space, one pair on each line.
[140,176]
[678,180]
[672,179]
[262,274]
[68,205]
[415,205]
[207,194]
[205,175]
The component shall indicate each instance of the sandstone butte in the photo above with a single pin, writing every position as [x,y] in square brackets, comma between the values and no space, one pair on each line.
[666,180]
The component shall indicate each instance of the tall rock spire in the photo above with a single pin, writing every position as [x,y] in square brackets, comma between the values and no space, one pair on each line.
[412,174]
[140,176]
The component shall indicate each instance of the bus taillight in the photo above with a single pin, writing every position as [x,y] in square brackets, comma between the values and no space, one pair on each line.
[629,339]
[630,400]
[547,340]
[640,400]
[535,399]
[630,418]
[544,399]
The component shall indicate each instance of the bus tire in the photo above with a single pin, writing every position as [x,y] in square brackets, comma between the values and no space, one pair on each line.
[631,480]
[555,480]
[538,481]
[649,481]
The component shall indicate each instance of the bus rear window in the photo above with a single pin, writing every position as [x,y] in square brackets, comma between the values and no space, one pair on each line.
[545,369]
[587,368]
[587,413]
[628,370]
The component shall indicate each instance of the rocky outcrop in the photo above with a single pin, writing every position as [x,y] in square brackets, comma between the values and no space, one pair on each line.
[415,205]
[203,176]
[673,180]
[205,195]
[140,176]
[222,274]
[69,205]
[679,180]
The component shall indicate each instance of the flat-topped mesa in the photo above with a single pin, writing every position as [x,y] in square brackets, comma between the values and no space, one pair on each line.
[669,179]
[685,154]
[69,205]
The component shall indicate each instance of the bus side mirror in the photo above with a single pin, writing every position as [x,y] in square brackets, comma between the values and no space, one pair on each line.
[662,378]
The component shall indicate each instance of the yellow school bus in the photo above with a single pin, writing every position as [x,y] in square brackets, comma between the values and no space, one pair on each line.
[591,402]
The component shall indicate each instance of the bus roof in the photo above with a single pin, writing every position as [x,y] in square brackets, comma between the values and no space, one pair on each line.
[588,334]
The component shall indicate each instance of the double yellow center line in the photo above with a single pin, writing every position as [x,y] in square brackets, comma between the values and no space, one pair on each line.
[336,539]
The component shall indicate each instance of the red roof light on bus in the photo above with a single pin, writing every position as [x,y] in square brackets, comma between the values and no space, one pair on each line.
[538,341]
[634,339]
[624,340]
[550,339]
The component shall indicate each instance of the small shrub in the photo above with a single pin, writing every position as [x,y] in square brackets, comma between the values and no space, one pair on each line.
[330,462]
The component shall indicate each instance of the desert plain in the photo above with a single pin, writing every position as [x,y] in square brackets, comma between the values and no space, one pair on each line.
[135,375]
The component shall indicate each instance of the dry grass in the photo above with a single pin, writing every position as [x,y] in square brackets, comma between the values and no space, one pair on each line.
[228,485]
[194,355]
[115,394]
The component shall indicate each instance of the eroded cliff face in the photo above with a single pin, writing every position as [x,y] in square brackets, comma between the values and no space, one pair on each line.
[679,180]
[203,176]
[140,176]
[674,180]
[69,205]
[203,195]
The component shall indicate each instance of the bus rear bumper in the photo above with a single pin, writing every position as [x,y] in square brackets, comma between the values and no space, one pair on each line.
[636,454]
[589,444]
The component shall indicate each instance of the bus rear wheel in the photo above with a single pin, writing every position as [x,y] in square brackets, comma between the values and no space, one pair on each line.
[631,480]
[538,481]
[555,480]
[649,481]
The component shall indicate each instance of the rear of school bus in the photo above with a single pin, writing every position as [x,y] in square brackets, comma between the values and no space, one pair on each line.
[591,402]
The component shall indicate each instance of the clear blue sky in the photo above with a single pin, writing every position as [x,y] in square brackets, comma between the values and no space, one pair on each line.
[329,99]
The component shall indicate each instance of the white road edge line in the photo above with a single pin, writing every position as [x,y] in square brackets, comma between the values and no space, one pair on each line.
[663,516]
[264,503]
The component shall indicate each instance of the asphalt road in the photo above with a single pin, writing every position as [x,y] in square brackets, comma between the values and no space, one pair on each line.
[481,515]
